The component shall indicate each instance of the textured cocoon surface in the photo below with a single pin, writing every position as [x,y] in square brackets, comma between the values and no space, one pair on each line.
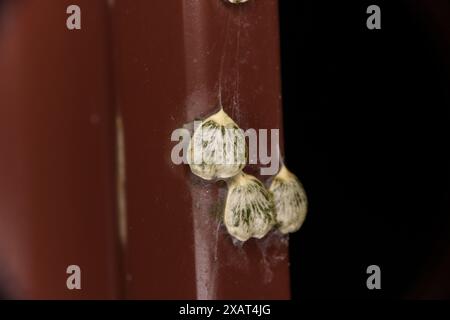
[290,201]
[217,149]
[249,209]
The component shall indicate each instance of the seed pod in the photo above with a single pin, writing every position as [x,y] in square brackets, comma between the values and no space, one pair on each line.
[249,209]
[290,201]
[217,149]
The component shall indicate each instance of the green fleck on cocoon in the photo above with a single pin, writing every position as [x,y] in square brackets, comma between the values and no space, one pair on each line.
[290,200]
[249,208]
[217,149]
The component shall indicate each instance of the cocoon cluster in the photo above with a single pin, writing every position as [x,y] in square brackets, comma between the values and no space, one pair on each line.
[217,150]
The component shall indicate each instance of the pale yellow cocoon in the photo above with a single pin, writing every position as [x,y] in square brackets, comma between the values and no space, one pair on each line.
[237,1]
[290,200]
[217,149]
[249,208]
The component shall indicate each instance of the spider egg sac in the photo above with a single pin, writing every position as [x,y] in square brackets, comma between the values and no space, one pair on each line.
[290,201]
[237,1]
[217,149]
[249,208]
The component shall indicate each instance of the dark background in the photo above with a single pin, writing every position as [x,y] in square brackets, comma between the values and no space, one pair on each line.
[366,130]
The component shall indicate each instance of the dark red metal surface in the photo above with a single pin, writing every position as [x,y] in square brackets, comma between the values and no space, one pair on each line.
[59,97]
[171,59]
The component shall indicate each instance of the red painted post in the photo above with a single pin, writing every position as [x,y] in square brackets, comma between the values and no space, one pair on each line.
[58,172]
[57,175]
[171,59]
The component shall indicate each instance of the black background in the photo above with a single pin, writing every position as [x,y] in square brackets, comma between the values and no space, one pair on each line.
[366,130]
